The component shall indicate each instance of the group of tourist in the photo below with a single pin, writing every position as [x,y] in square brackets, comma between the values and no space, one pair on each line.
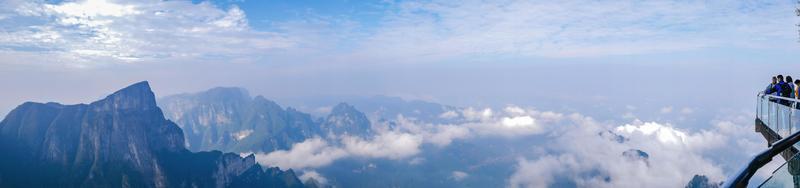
[784,87]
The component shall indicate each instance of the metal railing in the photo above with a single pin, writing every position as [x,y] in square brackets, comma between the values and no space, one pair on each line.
[780,114]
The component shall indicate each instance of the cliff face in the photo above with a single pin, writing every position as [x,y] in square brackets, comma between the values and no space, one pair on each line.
[229,119]
[122,140]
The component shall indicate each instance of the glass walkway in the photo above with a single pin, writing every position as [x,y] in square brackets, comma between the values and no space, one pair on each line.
[778,120]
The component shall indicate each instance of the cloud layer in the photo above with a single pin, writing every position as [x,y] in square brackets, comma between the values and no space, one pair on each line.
[90,32]
[406,138]
[579,155]
[578,150]
[83,33]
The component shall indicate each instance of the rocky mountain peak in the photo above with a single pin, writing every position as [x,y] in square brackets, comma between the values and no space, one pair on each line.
[636,155]
[138,96]
[701,181]
[345,118]
[227,94]
[345,109]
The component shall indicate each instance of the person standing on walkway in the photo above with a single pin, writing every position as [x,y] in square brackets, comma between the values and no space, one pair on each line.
[797,89]
[797,92]
[782,90]
[771,86]
[791,89]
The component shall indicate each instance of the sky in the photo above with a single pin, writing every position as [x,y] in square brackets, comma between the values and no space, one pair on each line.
[476,49]
[603,59]
[488,53]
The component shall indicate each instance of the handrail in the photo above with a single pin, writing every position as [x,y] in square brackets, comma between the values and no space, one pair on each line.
[743,177]
[761,94]
[774,102]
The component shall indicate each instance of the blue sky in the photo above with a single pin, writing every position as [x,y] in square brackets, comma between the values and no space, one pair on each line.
[691,67]
[319,48]
[461,53]
[264,13]
[388,31]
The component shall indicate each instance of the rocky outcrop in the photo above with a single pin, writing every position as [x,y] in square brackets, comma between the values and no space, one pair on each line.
[345,119]
[637,155]
[701,181]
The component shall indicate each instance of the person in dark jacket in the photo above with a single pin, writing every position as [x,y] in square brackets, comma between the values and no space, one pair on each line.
[790,83]
[789,92]
[772,89]
[778,88]
[782,89]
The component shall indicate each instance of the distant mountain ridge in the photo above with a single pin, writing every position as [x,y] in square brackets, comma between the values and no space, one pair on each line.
[229,119]
[346,119]
[382,108]
[122,140]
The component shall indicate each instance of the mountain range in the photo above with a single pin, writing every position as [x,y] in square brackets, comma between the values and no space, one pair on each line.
[122,140]
[229,119]
[126,140]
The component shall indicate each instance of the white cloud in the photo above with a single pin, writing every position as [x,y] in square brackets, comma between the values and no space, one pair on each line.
[514,122]
[549,116]
[577,151]
[405,140]
[242,134]
[100,31]
[511,121]
[449,115]
[313,174]
[317,152]
[458,175]
[438,134]
[91,8]
[667,135]
[508,127]
[476,114]
[541,172]
[674,155]
[390,145]
[435,30]
[310,153]
[514,110]
[445,134]
[518,121]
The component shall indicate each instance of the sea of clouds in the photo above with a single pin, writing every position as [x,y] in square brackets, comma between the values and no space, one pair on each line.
[576,148]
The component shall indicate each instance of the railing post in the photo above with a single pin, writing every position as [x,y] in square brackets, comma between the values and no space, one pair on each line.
[759,106]
[769,115]
[779,118]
